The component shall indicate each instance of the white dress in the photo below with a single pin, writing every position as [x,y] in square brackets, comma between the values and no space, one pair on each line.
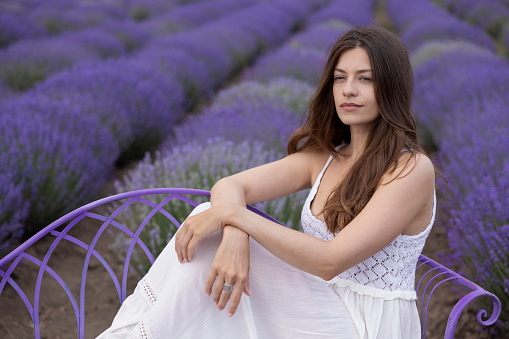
[375,299]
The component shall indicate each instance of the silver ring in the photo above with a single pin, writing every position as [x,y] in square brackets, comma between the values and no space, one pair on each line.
[227,288]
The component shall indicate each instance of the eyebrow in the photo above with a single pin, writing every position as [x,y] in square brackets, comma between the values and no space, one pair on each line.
[358,72]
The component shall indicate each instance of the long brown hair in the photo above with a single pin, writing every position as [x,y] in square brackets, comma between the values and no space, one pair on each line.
[393,130]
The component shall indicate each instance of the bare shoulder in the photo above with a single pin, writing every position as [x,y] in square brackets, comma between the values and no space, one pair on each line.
[413,166]
[316,159]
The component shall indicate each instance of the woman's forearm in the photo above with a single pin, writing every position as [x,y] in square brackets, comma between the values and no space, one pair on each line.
[287,244]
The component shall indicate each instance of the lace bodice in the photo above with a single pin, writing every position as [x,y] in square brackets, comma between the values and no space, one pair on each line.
[391,269]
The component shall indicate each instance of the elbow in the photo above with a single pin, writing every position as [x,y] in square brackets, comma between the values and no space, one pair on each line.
[329,270]
[328,275]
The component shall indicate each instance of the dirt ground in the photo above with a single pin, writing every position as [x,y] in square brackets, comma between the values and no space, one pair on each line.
[57,318]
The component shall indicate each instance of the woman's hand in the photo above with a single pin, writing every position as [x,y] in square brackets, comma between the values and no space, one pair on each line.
[197,227]
[230,266]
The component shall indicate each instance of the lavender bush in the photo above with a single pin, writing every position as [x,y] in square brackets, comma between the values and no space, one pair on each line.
[354,12]
[488,14]
[477,196]
[320,37]
[99,41]
[131,34]
[454,71]
[29,61]
[192,15]
[191,73]
[198,45]
[55,153]
[13,28]
[300,63]
[434,48]
[286,92]
[268,122]
[505,39]
[14,208]
[444,29]
[198,165]
[50,17]
[138,104]
[403,13]
[140,10]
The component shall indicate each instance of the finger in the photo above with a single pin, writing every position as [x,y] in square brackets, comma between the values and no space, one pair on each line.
[225,296]
[247,290]
[178,246]
[235,300]
[192,246]
[184,242]
[218,288]
[210,281]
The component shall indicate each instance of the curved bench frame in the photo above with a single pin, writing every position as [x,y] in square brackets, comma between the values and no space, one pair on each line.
[434,276]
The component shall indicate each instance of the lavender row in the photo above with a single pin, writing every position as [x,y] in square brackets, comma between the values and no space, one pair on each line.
[30,61]
[491,15]
[35,19]
[461,103]
[416,29]
[256,116]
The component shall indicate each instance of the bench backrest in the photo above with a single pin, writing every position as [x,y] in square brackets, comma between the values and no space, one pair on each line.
[158,203]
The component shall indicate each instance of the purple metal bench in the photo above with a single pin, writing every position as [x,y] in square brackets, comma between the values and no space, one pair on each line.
[433,274]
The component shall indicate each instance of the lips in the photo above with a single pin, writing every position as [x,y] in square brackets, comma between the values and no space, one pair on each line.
[349,104]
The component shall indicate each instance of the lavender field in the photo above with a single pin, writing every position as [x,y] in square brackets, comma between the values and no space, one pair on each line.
[190,91]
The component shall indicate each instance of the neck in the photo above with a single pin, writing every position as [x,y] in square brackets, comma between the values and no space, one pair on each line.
[359,137]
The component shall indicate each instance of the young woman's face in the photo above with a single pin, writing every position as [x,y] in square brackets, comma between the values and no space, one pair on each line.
[354,95]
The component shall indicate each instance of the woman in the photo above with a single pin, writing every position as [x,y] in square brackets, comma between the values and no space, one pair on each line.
[371,206]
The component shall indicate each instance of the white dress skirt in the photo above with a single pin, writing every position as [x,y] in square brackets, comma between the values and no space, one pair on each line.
[170,301]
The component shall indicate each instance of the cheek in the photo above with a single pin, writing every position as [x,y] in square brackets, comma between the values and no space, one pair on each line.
[335,93]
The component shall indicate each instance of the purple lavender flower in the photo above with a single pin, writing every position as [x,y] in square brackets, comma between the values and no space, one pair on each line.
[140,10]
[192,15]
[98,41]
[266,122]
[13,28]
[354,12]
[58,155]
[199,46]
[444,29]
[132,99]
[405,13]
[505,38]
[29,61]
[52,19]
[131,34]
[192,74]
[453,73]
[13,208]
[279,92]
[299,63]
[488,14]
[320,37]
[433,49]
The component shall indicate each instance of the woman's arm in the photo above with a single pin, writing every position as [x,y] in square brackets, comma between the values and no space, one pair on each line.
[392,208]
[266,182]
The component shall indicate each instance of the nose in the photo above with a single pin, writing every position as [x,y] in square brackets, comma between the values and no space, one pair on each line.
[349,88]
